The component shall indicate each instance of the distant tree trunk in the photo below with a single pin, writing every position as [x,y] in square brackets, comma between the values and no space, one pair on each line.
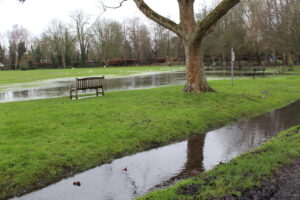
[63,59]
[223,60]
[274,57]
[106,62]
[284,59]
[290,59]
[239,61]
[16,61]
[258,58]
[213,60]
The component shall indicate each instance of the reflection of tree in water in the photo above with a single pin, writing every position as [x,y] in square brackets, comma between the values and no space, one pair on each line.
[194,155]
[194,162]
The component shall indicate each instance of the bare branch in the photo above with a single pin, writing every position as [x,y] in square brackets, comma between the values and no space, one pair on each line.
[204,25]
[105,7]
[113,7]
[163,21]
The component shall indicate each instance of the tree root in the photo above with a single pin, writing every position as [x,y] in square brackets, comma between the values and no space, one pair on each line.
[197,88]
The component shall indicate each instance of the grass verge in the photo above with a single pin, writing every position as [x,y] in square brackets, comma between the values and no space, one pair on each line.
[12,76]
[243,172]
[42,141]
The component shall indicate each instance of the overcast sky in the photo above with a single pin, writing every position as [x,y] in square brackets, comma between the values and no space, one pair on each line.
[35,15]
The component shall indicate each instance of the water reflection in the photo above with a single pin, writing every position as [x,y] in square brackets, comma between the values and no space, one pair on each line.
[59,87]
[163,166]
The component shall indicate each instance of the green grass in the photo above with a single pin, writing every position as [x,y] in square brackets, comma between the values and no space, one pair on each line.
[42,141]
[246,171]
[12,76]
[296,70]
[284,70]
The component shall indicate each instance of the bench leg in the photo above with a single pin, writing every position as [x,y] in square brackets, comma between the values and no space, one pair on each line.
[102,91]
[71,93]
[76,95]
[97,92]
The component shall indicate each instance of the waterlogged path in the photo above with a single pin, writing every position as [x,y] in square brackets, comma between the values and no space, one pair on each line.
[135,175]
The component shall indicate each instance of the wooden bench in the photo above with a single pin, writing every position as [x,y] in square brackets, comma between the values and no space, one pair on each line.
[259,71]
[87,83]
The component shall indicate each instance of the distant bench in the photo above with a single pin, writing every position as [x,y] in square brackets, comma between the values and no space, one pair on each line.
[87,83]
[259,71]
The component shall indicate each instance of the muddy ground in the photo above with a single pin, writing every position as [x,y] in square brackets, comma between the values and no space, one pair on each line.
[284,186]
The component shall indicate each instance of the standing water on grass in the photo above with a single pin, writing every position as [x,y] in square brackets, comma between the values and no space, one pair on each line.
[60,87]
[133,176]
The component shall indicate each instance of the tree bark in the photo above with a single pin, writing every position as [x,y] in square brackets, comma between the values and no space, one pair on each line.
[195,74]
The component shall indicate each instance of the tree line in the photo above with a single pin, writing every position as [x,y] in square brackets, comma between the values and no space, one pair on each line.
[261,32]
[85,42]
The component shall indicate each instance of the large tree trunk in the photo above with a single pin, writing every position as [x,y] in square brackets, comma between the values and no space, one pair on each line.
[195,74]
[192,33]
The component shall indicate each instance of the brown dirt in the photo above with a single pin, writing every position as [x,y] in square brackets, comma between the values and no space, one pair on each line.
[285,186]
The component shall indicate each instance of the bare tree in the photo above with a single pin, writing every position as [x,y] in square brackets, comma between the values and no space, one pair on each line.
[281,27]
[62,42]
[82,27]
[18,39]
[107,38]
[145,44]
[160,41]
[140,39]
[135,35]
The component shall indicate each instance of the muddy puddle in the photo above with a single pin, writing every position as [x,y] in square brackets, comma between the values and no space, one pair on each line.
[60,87]
[135,175]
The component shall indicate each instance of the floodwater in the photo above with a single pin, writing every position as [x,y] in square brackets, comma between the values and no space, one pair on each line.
[60,87]
[163,166]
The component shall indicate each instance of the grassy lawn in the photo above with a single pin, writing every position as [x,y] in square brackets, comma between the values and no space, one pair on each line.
[11,76]
[246,171]
[42,141]
[296,70]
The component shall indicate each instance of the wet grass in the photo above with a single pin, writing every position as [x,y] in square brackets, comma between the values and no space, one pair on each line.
[42,141]
[246,171]
[12,76]
[296,70]
[284,70]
